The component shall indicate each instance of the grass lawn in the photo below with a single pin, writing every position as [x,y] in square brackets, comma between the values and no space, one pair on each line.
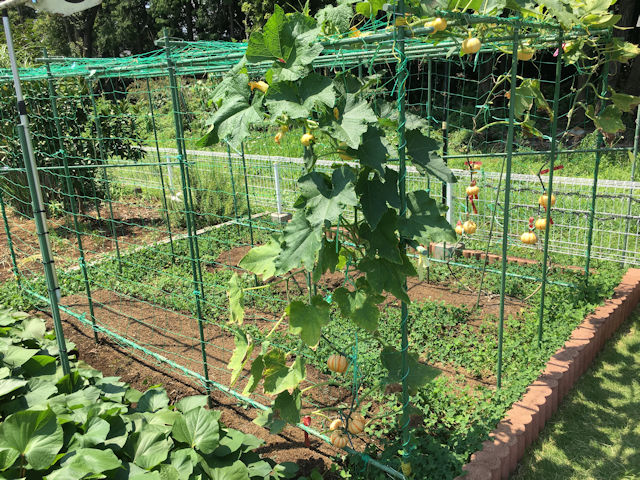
[596,432]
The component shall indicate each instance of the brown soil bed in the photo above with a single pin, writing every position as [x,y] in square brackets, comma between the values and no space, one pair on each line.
[136,223]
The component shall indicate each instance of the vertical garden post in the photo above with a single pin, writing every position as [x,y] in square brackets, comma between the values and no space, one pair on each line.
[69,188]
[194,254]
[164,193]
[507,197]
[634,154]
[401,84]
[233,184]
[103,159]
[37,202]
[7,231]
[596,171]
[552,155]
[246,191]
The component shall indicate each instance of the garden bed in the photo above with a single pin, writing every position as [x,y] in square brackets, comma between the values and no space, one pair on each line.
[153,305]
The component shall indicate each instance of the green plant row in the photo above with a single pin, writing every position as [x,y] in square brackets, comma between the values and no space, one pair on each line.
[86,425]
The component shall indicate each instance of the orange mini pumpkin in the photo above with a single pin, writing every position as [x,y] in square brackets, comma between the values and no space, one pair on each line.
[337,363]
[356,424]
[459,229]
[541,224]
[544,200]
[338,439]
[469,227]
[528,238]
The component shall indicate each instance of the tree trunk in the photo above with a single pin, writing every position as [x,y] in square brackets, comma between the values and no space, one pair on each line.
[87,31]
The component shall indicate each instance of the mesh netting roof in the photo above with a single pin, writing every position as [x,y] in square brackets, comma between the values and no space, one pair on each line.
[371,44]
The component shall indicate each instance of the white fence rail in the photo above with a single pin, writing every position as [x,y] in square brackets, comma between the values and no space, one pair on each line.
[271,182]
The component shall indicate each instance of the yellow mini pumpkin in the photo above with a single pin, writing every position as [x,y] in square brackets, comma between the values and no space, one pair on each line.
[439,24]
[356,424]
[337,363]
[473,190]
[471,45]
[528,238]
[338,439]
[525,54]
[335,424]
[544,200]
[541,224]
[459,228]
[469,227]
[307,139]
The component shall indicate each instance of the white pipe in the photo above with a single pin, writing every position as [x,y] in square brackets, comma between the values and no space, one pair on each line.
[24,121]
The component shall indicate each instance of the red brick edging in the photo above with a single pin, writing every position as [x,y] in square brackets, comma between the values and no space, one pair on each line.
[521,425]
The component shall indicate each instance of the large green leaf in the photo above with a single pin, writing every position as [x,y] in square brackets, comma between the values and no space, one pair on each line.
[624,102]
[95,430]
[261,260]
[153,400]
[148,447]
[288,405]
[326,198]
[188,403]
[271,421]
[383,242]
[279,377]
[257,369]
[419,374]
[34,434]
[14,356]
[8,385]
[288,42]
[423,222]
[238,112]
[373,151]
[422,149]
[241,354]
[84,462]
[385,275]
[199,428]
[183,461]
[375,194]
[360,305]
[301,242]
[328,259]
[354,119]
[236,300]
[308,320]
[297,100]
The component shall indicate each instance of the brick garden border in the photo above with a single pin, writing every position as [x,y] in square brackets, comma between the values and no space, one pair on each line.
[521,425]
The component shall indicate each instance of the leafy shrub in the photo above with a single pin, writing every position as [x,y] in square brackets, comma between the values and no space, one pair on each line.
[84,425]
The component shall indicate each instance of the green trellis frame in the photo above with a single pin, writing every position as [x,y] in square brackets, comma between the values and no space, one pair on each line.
[176,58]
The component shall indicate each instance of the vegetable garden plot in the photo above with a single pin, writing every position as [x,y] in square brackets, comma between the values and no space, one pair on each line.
[254,308]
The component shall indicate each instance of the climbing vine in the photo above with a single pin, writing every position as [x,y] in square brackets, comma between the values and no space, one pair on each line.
[351,220]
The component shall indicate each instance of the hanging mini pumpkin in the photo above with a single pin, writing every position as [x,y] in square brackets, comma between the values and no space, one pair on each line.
[541,224]
[544,200]
[459,229]
[473,189]
[338,439]
[528,238]
[356,424]
[469,227]
[337,363]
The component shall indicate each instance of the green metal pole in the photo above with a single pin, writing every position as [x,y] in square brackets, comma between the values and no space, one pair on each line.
[7,231]
[507,198]
[164,193]
[402,74]
[636,142]
[596,171]
[103,159]
[233,184]
[246,191]
[552,159]
[186,193]
[37,203]
[69,189]
[47,260]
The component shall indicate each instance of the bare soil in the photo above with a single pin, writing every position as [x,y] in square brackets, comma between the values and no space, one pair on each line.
[135,223]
